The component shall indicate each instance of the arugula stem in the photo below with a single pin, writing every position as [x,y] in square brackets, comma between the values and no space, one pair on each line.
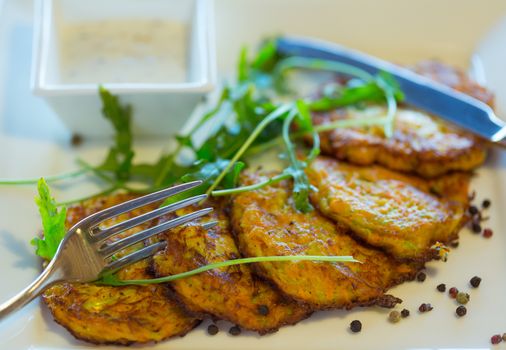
[49,179]
[318,64]
[286,139]
[391,109]
[95,171]
[168,165]
[260,127]
[253,187]
[344,123]
[114,281]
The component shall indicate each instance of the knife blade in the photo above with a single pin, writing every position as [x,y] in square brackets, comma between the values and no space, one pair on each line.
[423,93]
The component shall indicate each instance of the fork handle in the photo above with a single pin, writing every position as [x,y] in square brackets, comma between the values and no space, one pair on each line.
[47,278]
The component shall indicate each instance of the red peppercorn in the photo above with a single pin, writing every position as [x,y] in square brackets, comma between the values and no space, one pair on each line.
[487,233]
[496,339]
[453,292]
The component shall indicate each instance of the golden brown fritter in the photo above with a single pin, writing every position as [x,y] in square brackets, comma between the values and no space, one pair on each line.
[266,223]
[232,293]
[116,315]
[421,144]
[398,213]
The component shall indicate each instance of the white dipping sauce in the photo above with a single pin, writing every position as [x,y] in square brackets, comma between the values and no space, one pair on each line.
[120,51]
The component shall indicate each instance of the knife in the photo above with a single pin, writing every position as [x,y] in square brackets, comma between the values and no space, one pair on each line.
[435,98]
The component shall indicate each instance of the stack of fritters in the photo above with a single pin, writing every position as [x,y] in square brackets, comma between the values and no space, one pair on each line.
[369,208]
[117,315]
[231,293]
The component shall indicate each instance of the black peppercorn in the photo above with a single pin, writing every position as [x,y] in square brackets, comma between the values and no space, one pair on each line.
[441,287]
[461,311]
[475,281]
[473,210]
[263,310]
[356,326]
[76,140]
[425,307]
[235,330]
[421,277]
[486,203]
[404,313]
[212,329]
[476,227]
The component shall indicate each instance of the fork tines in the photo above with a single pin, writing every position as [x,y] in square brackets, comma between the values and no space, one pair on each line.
[97,236]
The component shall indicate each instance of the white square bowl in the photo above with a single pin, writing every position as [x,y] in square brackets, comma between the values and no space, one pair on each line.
[160,108]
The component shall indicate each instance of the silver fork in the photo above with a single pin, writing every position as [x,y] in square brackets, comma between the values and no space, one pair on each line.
[84,256]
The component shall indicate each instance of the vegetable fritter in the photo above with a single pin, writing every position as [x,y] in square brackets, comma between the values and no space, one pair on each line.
[421,144]
[400,214]
[116,315]
[232,293]
[266,223]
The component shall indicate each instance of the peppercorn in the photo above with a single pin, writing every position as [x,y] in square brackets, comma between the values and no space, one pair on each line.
[76,140]
[475,281]
[473,210]
[235,330]
[496,339]
[441,287]
[356,326]
[404,313]
[394,316]
[263,310]
[212,329]
[453,292]
[476,227]
[421,277]
[486,203]
[504,336]
[454,244]
[487,233]
[425,307]
[461,311]
[462,298]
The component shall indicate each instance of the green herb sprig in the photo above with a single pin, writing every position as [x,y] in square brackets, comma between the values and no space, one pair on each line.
[113,280]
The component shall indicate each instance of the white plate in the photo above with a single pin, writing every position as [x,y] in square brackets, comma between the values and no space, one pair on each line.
[34,143]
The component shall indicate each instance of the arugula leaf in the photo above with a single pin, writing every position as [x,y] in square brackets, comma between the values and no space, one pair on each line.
[119,158]
[301,185]
[207,172]
[232,177]
[53,223]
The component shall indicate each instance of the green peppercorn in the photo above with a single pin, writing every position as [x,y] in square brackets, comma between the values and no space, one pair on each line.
[394,316]
[462,298]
